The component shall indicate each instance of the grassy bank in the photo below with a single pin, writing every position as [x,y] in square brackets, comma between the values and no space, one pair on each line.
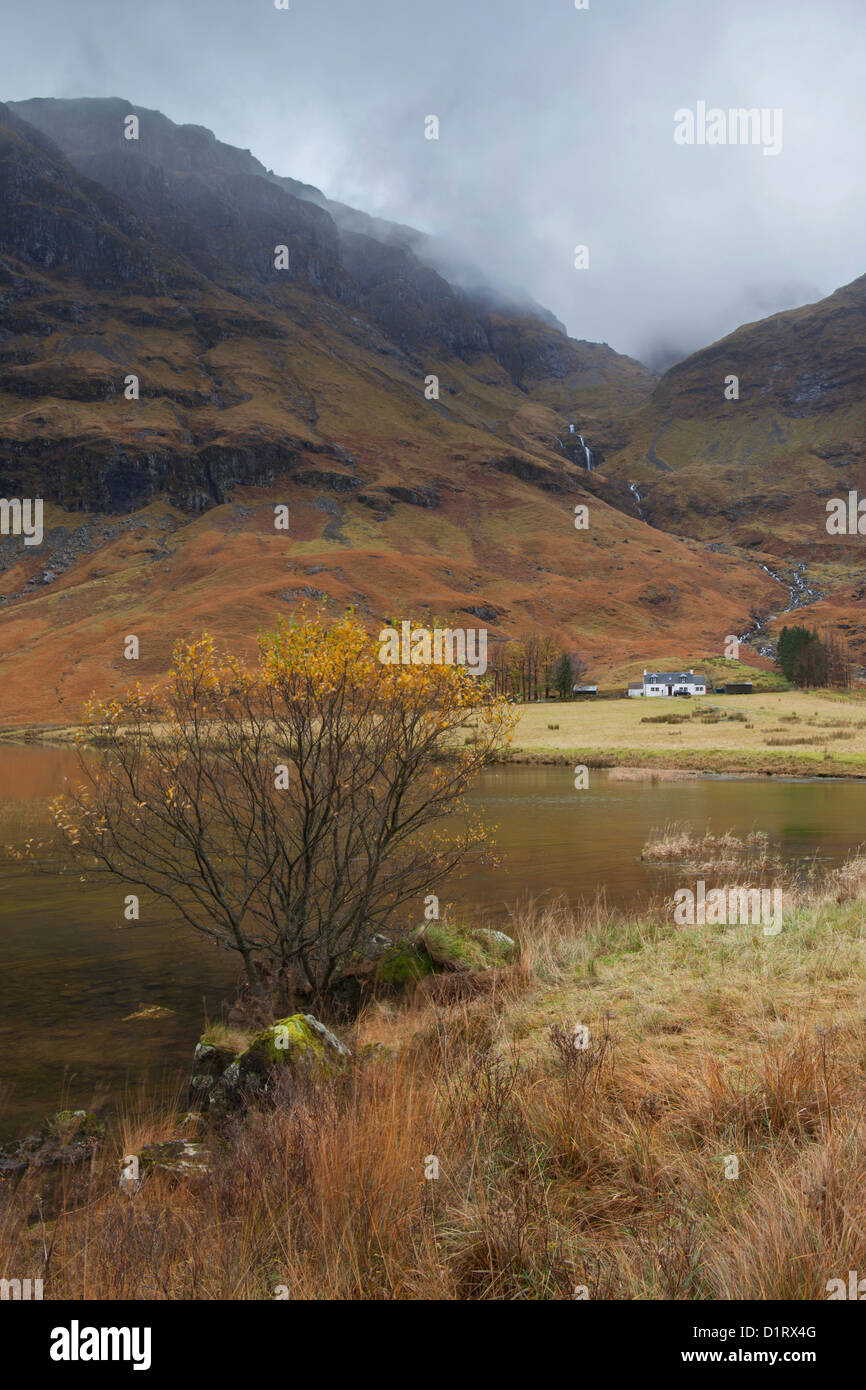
[789,733]
[559,1169]
[777,734]
[40,733]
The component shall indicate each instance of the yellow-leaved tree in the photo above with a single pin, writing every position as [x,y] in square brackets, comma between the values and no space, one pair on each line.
[287,810]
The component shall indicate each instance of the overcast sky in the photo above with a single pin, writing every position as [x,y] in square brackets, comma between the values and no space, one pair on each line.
[556,129]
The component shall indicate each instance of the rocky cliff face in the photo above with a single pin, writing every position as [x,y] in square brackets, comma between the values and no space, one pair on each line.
[154,258]
[51,219]
[224,212]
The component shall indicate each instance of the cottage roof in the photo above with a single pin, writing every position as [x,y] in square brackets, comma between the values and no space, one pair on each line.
[673,678]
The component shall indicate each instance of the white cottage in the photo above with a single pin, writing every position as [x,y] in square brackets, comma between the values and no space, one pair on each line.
[669,683]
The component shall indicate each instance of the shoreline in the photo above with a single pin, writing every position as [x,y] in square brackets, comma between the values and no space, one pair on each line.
[697,761]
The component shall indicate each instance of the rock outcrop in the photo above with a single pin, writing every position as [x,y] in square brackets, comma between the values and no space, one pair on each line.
[66,1140]
[223,1081]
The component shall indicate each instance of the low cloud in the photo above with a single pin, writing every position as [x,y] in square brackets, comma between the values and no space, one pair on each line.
[555,128]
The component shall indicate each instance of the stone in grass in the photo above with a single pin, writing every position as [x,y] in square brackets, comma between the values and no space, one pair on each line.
[225,1081]
[210,1061]
[181,1158]
[73,1125]
[497,941]
[405,963]
[66,1139]
[443,946]
[300,1042]
[453,947]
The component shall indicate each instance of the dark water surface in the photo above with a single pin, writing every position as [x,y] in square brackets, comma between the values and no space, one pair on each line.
[71,968]
[555,840]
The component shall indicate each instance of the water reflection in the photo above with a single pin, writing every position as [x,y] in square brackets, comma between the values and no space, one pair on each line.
[71,968]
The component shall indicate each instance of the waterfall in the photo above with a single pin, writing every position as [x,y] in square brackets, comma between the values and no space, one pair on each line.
[632,487]
[801,596]
[587,452]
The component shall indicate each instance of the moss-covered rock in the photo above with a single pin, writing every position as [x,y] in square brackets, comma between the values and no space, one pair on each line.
[223,1081]
[404,964]
[183,1158]
[298,1041]
[454,947]
[443,946]
[503,948]
[73,1125]
[68,1138]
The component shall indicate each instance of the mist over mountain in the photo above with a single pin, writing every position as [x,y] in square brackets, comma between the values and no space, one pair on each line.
[287,347]
[212,216]
[556,128]
[182,161]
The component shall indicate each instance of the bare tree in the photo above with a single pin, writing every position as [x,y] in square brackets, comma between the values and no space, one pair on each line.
[531,647]
[517,669]
[549,652]
[838,659]
[579,668]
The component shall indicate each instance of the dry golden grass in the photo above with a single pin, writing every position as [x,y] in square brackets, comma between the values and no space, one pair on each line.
[673,845]
[694,733]
[559,1168]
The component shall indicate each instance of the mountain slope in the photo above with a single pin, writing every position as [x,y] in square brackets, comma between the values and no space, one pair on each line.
[759,469]
[305,387]
[224,212]
[756,473]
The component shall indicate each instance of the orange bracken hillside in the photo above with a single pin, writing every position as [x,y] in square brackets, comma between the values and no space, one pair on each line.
[304,387]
